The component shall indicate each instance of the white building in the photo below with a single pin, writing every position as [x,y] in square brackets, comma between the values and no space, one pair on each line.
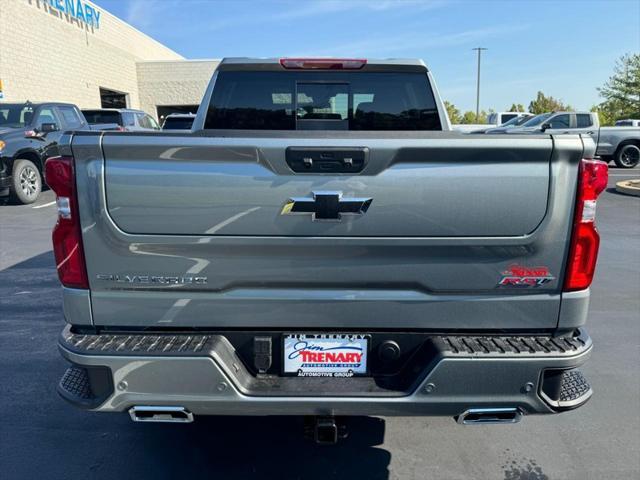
[74,51]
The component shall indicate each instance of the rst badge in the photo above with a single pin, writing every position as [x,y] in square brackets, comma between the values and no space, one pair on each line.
[518,276]
[325,355]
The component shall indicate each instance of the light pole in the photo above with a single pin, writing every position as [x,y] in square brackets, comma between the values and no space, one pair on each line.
[479,50]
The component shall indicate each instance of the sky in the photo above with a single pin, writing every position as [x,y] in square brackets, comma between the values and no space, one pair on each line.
[564,48]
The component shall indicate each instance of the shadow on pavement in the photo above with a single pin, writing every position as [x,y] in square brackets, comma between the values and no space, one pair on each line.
[8,202]
[48,438]
[621,194]
[259,447]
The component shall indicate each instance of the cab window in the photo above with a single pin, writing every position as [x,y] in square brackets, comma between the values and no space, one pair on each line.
[145,121]
[70,116]
[151,122]
[584,120]
[45,115]
[128,119]
[560,121]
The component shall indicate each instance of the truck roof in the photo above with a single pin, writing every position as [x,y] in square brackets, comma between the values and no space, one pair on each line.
[569,112]
[39,104]
[121,110]
[275,64]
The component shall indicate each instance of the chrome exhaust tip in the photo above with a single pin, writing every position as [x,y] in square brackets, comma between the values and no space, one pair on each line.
[488,416]
[147,413]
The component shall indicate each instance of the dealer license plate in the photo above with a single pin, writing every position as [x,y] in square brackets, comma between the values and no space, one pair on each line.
[325,355]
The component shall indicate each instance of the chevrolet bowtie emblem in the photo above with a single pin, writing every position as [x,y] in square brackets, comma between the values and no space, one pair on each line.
[329,206]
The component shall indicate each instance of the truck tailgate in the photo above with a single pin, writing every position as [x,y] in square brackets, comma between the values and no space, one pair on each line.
[199,231]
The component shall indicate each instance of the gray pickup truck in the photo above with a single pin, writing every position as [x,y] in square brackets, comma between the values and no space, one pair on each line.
[322,245]
[620,143]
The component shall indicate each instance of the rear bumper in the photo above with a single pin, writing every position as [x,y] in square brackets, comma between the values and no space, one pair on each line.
[203,374]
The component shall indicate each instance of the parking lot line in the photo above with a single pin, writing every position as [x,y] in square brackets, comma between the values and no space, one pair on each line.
[45,205]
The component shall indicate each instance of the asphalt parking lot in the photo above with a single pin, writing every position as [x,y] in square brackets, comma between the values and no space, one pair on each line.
[43,437]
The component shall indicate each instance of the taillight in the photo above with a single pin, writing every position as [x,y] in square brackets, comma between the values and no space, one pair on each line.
[585,240]
[323,63]
[67,237]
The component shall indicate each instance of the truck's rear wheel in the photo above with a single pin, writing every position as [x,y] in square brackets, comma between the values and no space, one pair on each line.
[628,156]
[27,182]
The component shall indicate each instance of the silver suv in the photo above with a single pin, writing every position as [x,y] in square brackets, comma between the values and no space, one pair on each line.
[129,120]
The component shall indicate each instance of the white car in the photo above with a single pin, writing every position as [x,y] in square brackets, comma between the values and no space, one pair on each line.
[500,118]
[628,123]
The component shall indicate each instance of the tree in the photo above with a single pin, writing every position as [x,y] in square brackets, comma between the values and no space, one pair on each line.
[544,104]
[621,92]
[517,108]
[605,116]
[470,117]
[452,111]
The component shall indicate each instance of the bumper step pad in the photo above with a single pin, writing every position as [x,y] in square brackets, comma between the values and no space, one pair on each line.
[536,345]
[86,387]
[566,389]
[75,382]
[182,344]
[574,387]
[192,344]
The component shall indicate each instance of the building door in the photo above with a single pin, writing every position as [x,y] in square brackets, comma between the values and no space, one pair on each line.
[112,98]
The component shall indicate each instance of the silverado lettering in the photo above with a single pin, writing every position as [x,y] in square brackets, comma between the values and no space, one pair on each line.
[151,279]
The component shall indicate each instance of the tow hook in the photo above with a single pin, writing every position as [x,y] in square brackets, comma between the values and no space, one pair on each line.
[325,430]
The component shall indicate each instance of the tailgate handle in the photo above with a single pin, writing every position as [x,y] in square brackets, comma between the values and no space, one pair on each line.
[319,160]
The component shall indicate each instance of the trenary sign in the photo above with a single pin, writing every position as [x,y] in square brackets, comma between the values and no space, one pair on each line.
[79,10]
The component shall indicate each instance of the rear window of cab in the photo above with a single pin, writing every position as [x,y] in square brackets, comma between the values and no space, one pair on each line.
[102,116]
[322,101]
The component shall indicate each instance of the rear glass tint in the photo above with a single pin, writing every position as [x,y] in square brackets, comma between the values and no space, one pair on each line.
[322,100]
[177,123]
[101,116]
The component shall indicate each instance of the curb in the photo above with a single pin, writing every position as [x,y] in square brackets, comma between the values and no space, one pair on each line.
[629,187]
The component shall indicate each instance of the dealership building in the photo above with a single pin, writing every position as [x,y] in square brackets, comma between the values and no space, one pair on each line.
[74,51]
